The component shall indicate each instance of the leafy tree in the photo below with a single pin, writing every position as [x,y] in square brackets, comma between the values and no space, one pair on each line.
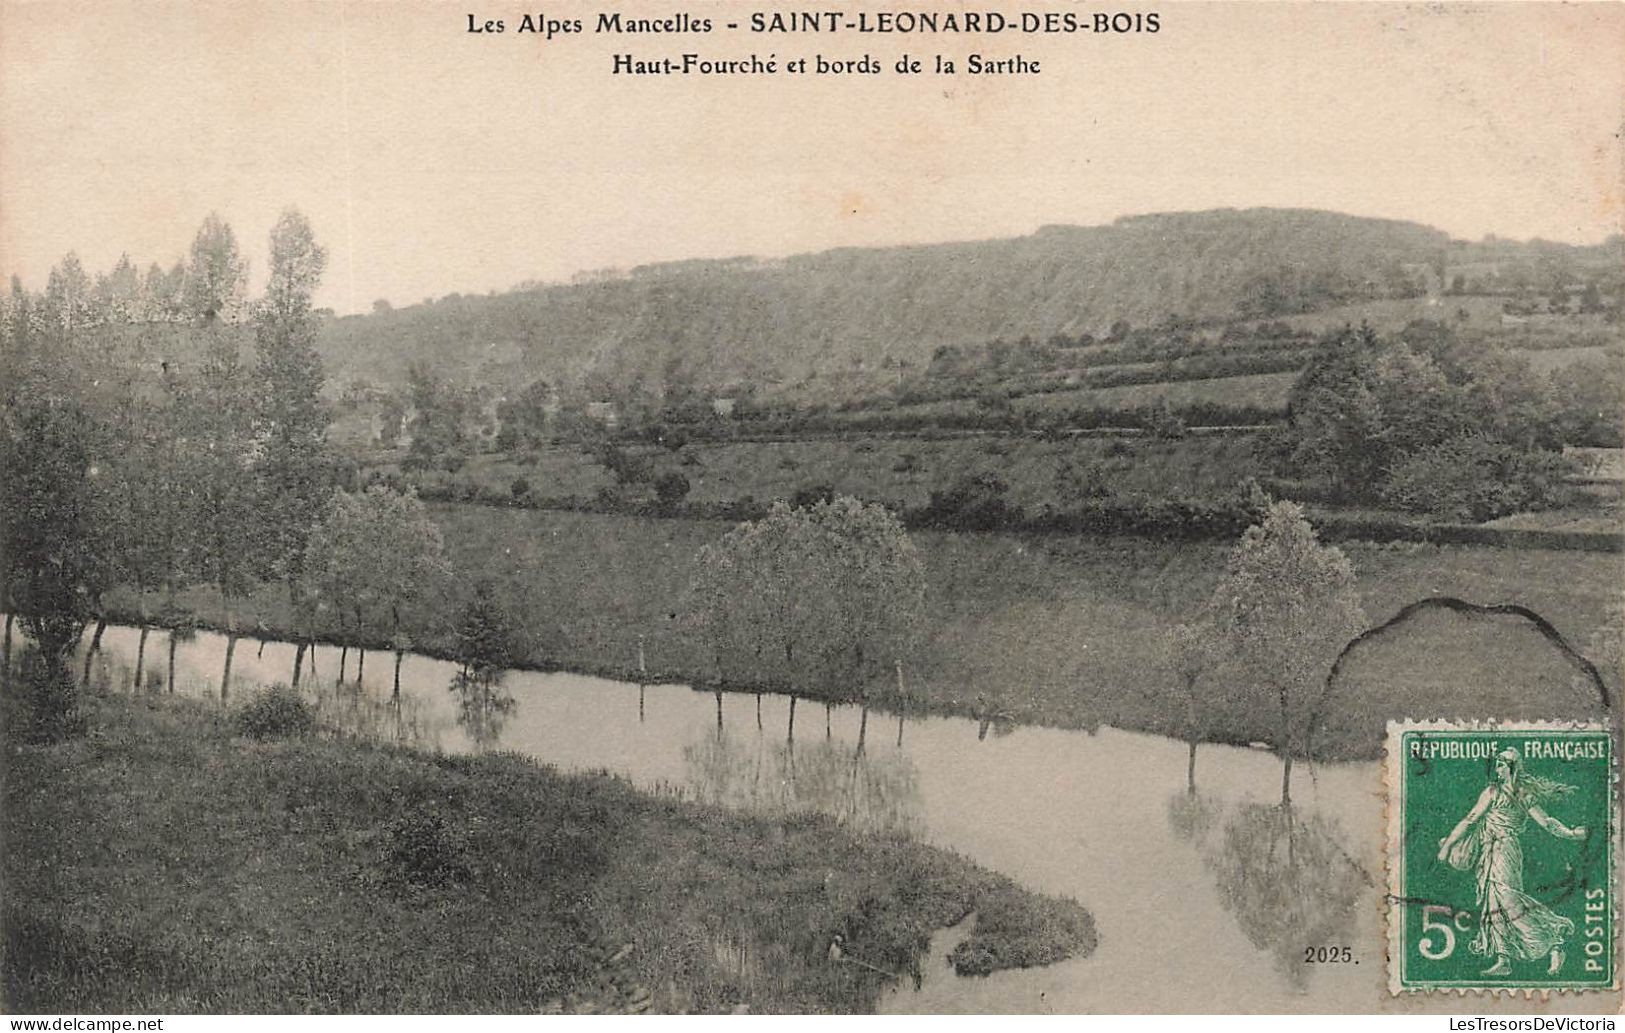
[217,453]
[375,558]
[1585,396]
[51,537]
[118,294]
[291,419]
[811,597]
[1362,404]
[524,419]
[486,637]
[390,420]
[485,642]
[162,292]
[1191,653]
[69,302]
[439,432]
[1476,478]
[1367,407]
[1285,608]
[140,512]
[216,274]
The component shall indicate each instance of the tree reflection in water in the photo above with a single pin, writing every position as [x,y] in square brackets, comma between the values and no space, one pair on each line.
[1192,815]
[483,705]
[873,792]
[356,713]
[1285,878]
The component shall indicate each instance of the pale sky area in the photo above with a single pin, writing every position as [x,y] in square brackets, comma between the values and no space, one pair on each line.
[431,160]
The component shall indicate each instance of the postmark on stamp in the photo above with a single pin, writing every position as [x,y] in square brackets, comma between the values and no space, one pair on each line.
[1500,857]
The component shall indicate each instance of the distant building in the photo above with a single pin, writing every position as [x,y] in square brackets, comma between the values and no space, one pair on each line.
[723,407]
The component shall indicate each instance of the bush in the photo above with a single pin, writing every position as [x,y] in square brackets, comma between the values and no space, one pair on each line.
[975,502]
[1476,479]
[629,469]
[425,851]
[50,706]
[1164,423]
[275,713]
[670,489]
[520,489]
[808,496]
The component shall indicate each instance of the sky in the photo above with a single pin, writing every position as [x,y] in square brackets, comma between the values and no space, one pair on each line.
[432,160]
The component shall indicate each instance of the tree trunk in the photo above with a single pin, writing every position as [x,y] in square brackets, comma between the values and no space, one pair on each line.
[790,735]
[298,661]
[141,657]
[5,655]
[1190,770]
[231,641]
[640,703]
[95,647]
[344,658]
[899,727]
[169,680]
[863,727]
[360,663]
[829,708]
[225,672]
[719,713]
[758,711]
[1286,749]
[396,694]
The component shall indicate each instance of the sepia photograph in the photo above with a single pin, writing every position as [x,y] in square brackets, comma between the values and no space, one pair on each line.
[905,507]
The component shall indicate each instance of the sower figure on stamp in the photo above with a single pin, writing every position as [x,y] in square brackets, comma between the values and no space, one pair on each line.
[1512,924]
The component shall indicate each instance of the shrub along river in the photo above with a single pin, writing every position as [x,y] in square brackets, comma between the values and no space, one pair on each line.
[1205,901]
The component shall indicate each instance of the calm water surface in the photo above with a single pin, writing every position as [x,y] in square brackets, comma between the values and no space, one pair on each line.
[1202,902]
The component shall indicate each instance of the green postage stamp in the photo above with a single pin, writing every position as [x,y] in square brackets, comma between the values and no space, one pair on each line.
[1501,857]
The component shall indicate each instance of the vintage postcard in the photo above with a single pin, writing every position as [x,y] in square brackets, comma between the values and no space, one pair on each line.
[883,506]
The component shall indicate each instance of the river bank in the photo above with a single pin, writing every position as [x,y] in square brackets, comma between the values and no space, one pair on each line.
[163,862]
[1060,632]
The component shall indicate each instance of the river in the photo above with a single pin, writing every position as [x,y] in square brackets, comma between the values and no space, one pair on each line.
[1203,902]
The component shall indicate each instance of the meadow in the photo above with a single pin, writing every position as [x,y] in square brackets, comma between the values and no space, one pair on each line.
[1257,390]
[901,471]
[167,863]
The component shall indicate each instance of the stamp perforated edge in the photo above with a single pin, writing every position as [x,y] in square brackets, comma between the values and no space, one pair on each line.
[1393,825]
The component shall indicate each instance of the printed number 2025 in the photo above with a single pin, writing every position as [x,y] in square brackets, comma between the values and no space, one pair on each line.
[1327,955]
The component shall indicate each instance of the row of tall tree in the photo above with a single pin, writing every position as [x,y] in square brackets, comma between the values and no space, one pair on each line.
[140,447]
[823,598]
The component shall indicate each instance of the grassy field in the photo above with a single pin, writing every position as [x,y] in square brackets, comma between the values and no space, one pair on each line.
[1390,314]
[1055,630]
[903,471]
[165,864]
[1263,390]
[1547,359]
